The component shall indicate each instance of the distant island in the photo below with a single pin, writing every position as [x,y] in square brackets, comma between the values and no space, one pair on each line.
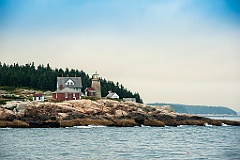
[198,109]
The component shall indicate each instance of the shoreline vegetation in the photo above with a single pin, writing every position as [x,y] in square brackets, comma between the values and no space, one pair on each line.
[101,112]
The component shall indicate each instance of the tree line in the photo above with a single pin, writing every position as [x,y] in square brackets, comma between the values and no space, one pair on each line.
[45,78]
[198,109]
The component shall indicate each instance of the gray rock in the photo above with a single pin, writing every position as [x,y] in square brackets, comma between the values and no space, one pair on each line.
[21,107]
[120,113]
[168,108]
[10,105]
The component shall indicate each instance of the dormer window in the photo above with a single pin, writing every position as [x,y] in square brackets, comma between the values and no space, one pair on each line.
[69,82]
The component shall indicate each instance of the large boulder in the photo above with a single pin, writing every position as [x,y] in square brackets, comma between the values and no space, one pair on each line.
[10,105]
[62,115]
[125,122]
[153,122]
[14,124]
[86,121]
[120,113]
[164,109]
[69,123]
[168,109]
[21,107]
[96,121]
[7,115]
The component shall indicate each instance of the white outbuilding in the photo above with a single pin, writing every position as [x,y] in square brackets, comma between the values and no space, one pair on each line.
[38,97]
[112,95]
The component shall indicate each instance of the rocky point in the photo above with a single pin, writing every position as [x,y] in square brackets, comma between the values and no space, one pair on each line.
[100,112]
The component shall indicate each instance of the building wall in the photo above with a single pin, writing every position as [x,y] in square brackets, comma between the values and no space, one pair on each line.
[66,96]
[115,96]
[91,93]
[97,87]
[38,98]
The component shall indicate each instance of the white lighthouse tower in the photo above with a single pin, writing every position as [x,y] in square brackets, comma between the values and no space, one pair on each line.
[96,84]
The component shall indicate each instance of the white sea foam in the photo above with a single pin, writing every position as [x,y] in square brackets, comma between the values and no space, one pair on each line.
[208,125]
[6,128]
[83,127]
[223,124]
[142,125]
[95,126]
[181,125]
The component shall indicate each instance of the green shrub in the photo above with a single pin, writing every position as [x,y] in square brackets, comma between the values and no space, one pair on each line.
[3,102]
[91,98]
[7,88]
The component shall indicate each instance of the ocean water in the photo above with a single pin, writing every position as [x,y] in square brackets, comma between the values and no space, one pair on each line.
[113,143]
[224,117]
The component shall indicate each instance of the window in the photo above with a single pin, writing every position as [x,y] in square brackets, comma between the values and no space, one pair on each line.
[69,82]
[66,95]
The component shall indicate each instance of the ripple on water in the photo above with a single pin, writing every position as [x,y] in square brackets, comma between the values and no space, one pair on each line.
[184,142]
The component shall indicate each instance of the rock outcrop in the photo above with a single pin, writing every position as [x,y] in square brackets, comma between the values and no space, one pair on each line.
[101,112]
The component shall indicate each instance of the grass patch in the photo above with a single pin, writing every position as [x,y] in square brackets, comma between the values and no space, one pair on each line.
[91,98]
[115,99]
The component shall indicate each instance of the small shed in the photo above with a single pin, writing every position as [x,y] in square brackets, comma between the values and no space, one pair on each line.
[90,91]
[38,97]
[112,95]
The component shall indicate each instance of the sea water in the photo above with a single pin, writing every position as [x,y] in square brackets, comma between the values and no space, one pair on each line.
[224,117]
[120,143]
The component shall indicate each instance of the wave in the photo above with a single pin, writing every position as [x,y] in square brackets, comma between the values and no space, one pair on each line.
[82,127]
[95,126]
[88,126]
[6,128]
[223,124]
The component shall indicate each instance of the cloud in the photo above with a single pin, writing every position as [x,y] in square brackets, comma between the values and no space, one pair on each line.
[176,51]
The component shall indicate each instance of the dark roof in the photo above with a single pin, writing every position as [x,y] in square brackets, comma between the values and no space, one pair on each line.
[38,95]
[62,81]
[90,89]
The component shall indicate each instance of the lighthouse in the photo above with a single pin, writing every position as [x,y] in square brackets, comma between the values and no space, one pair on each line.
[96,84]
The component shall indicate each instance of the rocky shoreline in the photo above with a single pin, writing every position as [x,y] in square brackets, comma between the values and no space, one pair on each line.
[102,112]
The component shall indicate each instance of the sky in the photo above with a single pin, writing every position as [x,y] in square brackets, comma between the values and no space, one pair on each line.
[185,52]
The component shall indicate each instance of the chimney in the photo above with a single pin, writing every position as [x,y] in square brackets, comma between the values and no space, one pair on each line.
[61,87]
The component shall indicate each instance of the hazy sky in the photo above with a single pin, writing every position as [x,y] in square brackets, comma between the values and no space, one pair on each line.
[179,51]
